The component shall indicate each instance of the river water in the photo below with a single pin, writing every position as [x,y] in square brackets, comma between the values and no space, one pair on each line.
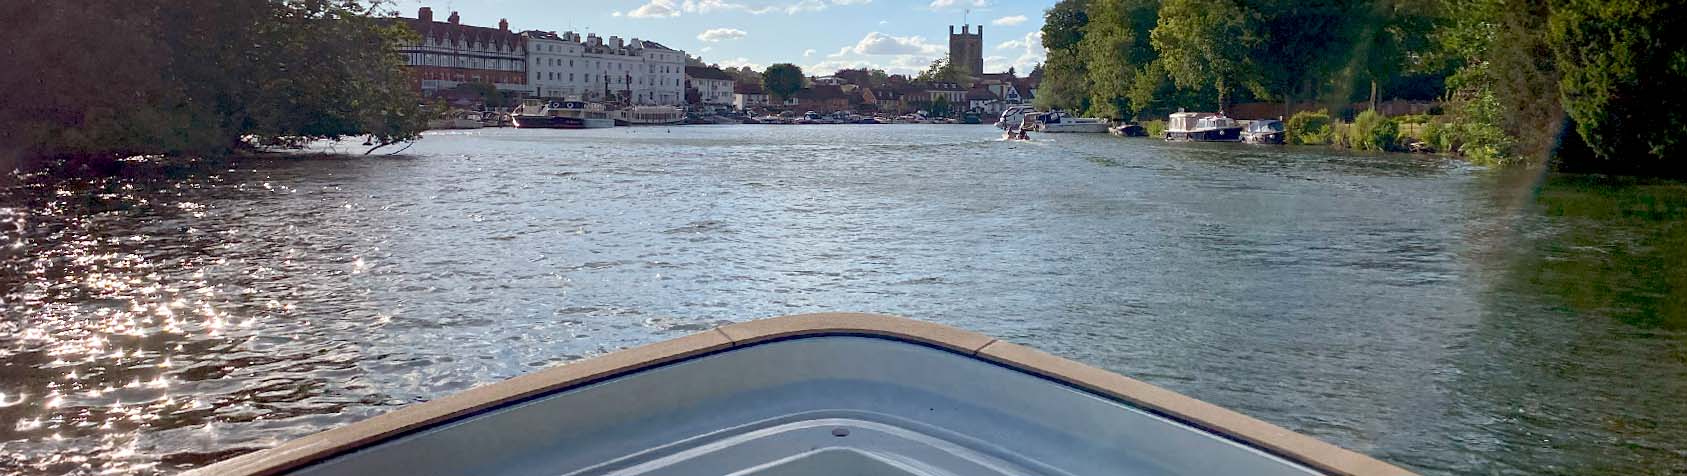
[1447,318]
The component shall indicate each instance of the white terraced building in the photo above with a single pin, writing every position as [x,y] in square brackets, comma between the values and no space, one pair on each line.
[568,66]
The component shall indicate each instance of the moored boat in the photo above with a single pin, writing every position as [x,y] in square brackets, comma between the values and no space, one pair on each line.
[1129,129]
[821,394]
[648,116]
[1059,121]
[1263,131]
[1202,127]
[458,120]
[536,114]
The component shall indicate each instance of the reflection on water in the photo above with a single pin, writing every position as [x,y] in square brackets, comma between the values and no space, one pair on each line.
[1440,317]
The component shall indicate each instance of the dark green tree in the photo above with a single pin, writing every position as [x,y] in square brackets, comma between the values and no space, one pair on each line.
[1622,66]
[1116,49]
[1208,43]
[1064,80]
[782,80]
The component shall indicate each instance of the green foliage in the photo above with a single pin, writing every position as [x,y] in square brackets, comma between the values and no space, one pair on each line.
[1622,67]
[1309,128]
[1204,43]
[1064,84]
[201,76]
[1063,24]
[1372,131]
[940,107]
[1115,46]
[782,80]
[942,70]
[1155,128]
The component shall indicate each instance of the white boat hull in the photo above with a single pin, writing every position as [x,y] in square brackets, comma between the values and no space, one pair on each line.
[1077,127]
[828,394]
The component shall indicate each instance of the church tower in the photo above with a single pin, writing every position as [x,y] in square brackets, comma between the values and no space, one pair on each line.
[966,49]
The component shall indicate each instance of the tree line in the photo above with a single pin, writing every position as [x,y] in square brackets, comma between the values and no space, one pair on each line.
[1586,79]
[115,78]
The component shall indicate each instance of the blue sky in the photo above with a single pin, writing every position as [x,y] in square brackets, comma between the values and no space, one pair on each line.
[899,36]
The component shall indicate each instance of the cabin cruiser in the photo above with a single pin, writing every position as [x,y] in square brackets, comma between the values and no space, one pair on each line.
[458,120]
[817,394]
[648,116]
[1202,127]
[536,114]
[1263,131]
[1129,129]
[1060,121]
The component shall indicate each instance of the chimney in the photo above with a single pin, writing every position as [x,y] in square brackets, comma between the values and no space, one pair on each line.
[425,14]
[454,18]
[951,29]
[504,25]
[615,42]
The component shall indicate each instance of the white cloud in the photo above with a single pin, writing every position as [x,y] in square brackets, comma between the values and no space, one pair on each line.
[615,14]
[1009,21]
[876,43]
[706,49]
[721,34]
[1033,54]
[808,52]
[805,6]
[884,22]
[711,6]
[851,2]
[738,62]
[655,9]
[942,4]
[1010,45]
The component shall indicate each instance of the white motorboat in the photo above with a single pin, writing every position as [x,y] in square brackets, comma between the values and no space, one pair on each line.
[648,116]
[1202,127]
[821,394]
[459,120]
[1060,121]
[1263,131]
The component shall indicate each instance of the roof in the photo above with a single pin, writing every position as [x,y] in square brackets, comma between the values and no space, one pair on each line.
[943,87]
[885,94]
[821,92]
[747,88]
[654,45]
[1000,77]
[458,32]
[981,93]
[706,72]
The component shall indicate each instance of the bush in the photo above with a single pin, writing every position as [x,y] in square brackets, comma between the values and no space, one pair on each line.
[1372,131]
[1412,119]
[1155,128]
[1309,128]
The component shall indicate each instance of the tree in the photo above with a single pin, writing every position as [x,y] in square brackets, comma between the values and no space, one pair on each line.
[944,71]
[202,76]
[940,107]
[1115,48]
[1204,43]
[1064,86]
[1622,66]
[782,80]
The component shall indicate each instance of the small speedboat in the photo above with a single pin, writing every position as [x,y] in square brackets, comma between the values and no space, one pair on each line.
[1129,129]
[819,394]
[1263,131]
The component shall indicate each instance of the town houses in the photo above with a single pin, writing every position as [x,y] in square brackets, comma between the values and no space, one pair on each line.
[452,59]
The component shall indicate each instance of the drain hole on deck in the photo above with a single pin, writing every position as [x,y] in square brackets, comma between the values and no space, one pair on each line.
[840,432]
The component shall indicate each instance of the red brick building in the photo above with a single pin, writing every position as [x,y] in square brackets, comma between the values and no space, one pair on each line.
[451,53]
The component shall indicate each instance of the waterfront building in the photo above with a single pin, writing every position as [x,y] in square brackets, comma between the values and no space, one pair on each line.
[821,98]
[967,49]
[883,99]
[715,88]
[981,99]
[449,53]
[747,96]
[954,93]
[828,80]
[633,71]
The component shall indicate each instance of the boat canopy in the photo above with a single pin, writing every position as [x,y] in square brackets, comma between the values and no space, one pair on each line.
[1215,122]
[1184,121]
[1265,125]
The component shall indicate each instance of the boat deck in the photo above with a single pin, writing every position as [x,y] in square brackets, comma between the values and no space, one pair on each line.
[827,394]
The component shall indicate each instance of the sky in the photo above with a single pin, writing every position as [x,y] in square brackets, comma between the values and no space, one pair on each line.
[821,36]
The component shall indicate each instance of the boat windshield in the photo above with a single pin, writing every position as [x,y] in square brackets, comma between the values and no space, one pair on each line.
[1265,126]
[1215,122]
